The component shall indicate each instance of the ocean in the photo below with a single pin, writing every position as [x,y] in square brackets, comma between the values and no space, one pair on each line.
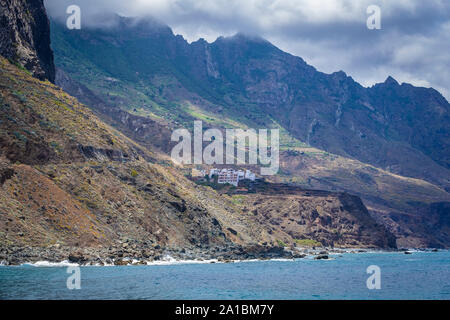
[421,275]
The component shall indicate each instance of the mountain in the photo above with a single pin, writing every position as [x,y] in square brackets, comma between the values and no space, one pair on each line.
[399,128]
[74,188]
[25,36]
[387,144]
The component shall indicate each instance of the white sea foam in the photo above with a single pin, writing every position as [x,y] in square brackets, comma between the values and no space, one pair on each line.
[169,260]
[64,263]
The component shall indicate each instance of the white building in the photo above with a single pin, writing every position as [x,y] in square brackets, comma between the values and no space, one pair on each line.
[228,176]
[231,176]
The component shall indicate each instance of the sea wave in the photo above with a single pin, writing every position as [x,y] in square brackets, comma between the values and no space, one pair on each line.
[47,264]
[169,260]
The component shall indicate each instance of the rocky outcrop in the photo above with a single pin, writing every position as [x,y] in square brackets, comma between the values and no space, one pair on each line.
[399,128]
[25,36]
[295,216]
[428,228]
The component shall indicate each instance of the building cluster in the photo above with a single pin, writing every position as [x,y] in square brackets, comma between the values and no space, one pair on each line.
[231,176]
[224,176]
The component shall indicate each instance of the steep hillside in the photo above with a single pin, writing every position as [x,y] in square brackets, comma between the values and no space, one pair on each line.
[386,144]
[25,36]
[387,195]
[73,186]
[69,179]
[49,140]
[293,214]
[143,68]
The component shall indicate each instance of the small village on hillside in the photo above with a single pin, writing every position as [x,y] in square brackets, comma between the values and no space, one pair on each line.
[224,176]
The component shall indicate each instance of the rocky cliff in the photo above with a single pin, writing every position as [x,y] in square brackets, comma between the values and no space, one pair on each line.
[25,36]
[294,216]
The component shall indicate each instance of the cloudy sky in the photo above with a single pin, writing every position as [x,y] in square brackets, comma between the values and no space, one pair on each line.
[413,44]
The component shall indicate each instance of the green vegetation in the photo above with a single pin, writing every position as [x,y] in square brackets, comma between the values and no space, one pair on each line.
[307,243]
[134,173]
[238,199]
[281,243]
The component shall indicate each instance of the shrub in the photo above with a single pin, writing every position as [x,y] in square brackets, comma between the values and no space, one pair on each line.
[281,243]
[134,173]
[308,243]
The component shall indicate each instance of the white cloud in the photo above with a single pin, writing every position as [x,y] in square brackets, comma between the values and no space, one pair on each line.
[412,46]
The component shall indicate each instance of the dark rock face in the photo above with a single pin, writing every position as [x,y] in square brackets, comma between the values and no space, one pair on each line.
[428,228]
[397,127]
[333,219]
[25,36]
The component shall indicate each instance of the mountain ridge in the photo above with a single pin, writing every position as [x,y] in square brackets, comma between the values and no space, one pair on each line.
[170,83]
[203,68]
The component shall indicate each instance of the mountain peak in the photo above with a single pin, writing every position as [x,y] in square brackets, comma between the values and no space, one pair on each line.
[391,81]
[339,75]
[242,37]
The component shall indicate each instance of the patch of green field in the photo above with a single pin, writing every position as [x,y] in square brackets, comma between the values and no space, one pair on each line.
[307,243]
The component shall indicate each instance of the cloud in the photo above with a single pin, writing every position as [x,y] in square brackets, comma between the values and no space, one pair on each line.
[412,46]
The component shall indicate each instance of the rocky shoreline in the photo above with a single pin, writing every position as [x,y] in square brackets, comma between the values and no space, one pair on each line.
[147,253]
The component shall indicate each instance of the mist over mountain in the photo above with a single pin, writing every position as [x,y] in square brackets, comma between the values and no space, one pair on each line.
[330,35]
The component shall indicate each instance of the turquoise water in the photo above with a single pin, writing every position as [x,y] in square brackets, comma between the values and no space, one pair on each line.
[422,275]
